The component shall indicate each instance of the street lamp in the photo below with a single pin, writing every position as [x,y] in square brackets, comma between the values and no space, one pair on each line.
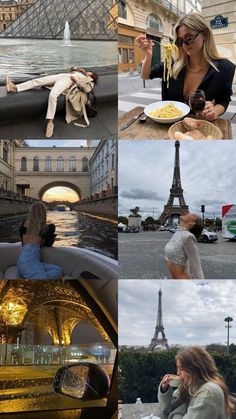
[203,211]
[228,320]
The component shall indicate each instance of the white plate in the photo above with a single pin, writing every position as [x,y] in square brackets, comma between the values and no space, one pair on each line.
[156,105]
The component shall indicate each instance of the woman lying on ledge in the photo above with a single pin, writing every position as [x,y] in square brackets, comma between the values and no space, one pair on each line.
[61,83]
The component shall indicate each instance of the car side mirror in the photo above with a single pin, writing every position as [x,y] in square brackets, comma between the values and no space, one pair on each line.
[84,381]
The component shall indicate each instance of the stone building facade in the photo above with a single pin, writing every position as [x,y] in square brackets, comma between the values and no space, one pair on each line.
[103,166]
[225,36]
[156,18]
[38,169]
[7,169]
[10,10]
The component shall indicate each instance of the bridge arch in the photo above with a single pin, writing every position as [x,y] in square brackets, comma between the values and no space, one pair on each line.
[66,184]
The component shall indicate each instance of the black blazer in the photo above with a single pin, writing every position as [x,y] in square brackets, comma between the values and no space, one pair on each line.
[216,84]
[48,236]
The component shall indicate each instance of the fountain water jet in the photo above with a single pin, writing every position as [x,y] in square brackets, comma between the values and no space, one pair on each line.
[67,41]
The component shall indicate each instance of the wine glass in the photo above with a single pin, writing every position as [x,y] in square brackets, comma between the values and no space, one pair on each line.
[197,102]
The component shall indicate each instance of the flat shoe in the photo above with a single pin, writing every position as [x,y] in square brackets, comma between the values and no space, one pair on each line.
[49,130]
[10,85]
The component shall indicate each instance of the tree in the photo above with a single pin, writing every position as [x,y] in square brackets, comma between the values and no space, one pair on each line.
[141,373]
[123,220]
[149,220]
[216,347]
[218,223]
[232,349]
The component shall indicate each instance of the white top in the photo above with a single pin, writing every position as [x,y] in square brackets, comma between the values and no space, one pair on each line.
[182,250]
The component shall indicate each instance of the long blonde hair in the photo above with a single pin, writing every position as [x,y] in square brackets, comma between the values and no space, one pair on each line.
[209,52]
[37,219]
[198,363]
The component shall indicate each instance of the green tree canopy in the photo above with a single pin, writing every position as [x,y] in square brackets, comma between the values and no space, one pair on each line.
[123,220]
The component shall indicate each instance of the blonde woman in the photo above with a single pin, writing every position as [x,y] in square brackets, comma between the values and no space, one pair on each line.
[197,66]
[201,393]
[35,234]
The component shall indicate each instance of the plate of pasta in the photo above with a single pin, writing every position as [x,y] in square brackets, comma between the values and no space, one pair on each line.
[167,111]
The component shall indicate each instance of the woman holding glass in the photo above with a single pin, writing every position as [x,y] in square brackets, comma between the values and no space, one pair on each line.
[201,391]
[197,66]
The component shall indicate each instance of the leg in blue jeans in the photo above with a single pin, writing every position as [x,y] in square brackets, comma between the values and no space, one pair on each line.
[30,266]
[52,271]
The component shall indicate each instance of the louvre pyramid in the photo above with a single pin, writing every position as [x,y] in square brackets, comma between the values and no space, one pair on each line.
[45,19]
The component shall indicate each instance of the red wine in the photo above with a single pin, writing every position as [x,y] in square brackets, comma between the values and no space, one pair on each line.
[197,105]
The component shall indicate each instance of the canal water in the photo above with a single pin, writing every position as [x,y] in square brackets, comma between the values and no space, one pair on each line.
[27,57]
[73,229]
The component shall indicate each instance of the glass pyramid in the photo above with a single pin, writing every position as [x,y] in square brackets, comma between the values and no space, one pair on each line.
[45,19]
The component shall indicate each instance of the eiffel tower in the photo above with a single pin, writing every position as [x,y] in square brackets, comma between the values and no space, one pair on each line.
[172,211]
[45,19]
[159,329]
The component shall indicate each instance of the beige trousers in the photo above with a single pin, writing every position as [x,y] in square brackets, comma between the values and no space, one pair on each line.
[60,83]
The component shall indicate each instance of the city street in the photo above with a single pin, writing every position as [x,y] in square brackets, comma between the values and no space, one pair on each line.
[132,93]
[30,387]
[21,385]
[141,256]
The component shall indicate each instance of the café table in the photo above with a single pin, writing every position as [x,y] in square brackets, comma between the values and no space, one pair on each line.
[151,130]
[128,410]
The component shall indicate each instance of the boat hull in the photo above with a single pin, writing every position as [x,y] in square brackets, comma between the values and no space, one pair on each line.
[75,262]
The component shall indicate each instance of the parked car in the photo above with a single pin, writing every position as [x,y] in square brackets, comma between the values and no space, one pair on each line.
[132,230]
[208,236]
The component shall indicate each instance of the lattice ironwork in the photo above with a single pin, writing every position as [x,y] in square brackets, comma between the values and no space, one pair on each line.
[159,329]
[59,308]
[88,19]
[170,209]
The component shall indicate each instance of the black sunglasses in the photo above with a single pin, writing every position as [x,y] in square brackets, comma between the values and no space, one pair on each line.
[186,41]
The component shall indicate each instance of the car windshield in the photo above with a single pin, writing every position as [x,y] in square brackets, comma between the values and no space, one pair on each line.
[45,326]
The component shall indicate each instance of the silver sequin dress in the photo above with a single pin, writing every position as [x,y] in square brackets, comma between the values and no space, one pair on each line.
[182,250]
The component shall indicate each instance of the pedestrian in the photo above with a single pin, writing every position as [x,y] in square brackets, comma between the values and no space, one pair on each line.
[60,84]
[36,233]
[201,392]
[181,252]
[196,65]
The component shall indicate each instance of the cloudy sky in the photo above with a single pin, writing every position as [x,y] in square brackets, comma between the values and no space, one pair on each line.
[208,174]
[193,311]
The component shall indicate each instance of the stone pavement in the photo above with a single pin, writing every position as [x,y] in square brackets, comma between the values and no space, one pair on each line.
[141,256]
[132,93]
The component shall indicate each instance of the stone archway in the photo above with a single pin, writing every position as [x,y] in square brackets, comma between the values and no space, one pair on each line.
[66,184]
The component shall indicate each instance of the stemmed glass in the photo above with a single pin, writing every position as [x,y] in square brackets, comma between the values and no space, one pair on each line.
[197,102]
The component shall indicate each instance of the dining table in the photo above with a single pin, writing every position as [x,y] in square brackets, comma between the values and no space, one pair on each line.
[152,130]
[149,410]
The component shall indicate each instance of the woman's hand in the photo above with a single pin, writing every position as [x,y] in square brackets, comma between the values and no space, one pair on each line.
[165,382]
[145,44]
[211,112]
[74,78]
